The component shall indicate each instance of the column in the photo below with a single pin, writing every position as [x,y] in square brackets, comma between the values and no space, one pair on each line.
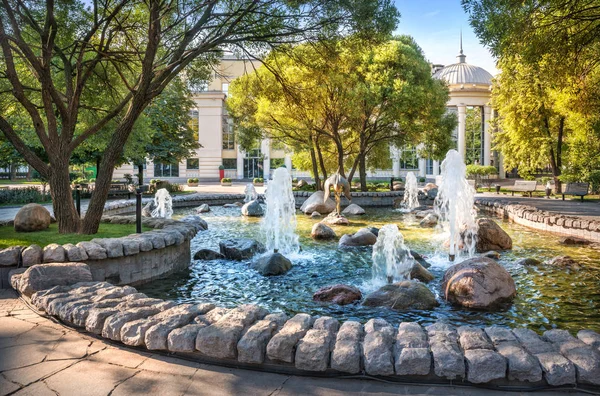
[436,168]
[266,152]
[395,155]
[288,162]
[240,163]
[501,172]
[487,135]
[462,131]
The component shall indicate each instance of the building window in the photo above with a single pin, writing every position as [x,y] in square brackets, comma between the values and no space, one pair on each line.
[228,135]
[225,88]
[166,170]
[199,86]
[277,163]
[409,158]
[193,163]
[229,163]
[193,123]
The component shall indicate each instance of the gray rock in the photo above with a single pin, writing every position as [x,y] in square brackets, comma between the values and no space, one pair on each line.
[282,346]
[346,354]
[184,338]
[413,361]
[272,264]
[448,360]
[473,338]
[491,254]
[420,259]
[93,250]
[490,236]
[526,262]
[14,277]
[240,249]
[522,366]
[219,340]
[96,318]
[432,193]
[338,294]
[557,369]
[31,255]
[313,350]
[9,257]
[252,346]
[253,209]
[54,253]
[113,325]
[32,217]
[156,337]
[420,273]
[501,335]
[40,277]
[207,254]
[410,335]
[75,253]
[565,262]
[198,222]
[353,210]
[130,246]
[315,215]
[321,231]
[335,219]
[402,296]
[430,220]
[377,347]
[113,246]
[157,240]
[484,365]
[144,244]
[571,240]
[590,337]
[362,237]
[585,358]
[204,208]
[532,342]
[315,203]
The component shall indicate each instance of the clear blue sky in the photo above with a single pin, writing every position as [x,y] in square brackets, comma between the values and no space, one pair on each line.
[436,25]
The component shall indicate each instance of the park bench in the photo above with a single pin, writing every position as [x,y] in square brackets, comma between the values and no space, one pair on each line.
[578,189]
[119,189]
[526,186]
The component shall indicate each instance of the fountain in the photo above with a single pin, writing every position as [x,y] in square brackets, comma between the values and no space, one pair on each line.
[454,206]
[411,193]
[279,223]
[250,192]
[163,204]
[392,261]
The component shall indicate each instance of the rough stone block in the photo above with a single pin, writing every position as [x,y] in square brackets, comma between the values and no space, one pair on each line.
[484,365]
[113,325]
[413,361]
[347,350]
[473,338]
[282,346]
[586,360]
[377,347]
[522,366]
[54,253]
[93,250]
[156,336]
[410,335]
[532,342]
[500,335]
[31,255]
[41,277]
[9,257]
[590,337]
[113,246]
[312,353]
[75,253]
[252,346]
[557,369]
[130,246]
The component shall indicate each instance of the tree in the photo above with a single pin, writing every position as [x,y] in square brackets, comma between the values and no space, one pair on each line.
[74,70]
[343,100]
[547,93]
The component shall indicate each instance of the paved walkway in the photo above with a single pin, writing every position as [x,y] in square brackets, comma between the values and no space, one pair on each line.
[41,357]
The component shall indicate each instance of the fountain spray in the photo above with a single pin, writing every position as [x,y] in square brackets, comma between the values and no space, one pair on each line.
[392,260]
[279,223]
[163,204]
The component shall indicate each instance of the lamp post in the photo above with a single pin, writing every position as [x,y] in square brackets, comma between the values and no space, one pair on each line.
[78,198]
[138,207]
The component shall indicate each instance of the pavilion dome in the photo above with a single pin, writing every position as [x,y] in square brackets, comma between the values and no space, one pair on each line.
[463,73]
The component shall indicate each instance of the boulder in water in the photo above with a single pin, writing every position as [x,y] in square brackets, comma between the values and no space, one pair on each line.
[403,295]
[315,203]
[374,230]
[338,294]
[362,237]
[148,208]
[252,209]
[420,259]
[322,232]
[335,219]
[32,217]
[491,254]
[207,254]
[301,183]
[240,249]
[564,262]
[203,208]
[272,264]
[420,273]
[490,236]
[422,213]
[430,220]
[571,240]
[315,215]
[353,210]
[528,261]
[479,282]
[432,193]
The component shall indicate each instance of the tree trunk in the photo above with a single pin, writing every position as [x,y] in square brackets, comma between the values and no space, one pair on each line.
[315,168]
[340,157]
[320,157]
[140,174]
[28,173]
[98,166]
[13,172]
[558,171]
[62,197]
[362,172]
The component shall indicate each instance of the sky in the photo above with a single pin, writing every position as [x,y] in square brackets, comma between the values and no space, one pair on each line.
[436,26]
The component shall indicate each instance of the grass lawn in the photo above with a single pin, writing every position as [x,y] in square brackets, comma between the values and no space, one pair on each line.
[20,181]
[8,236]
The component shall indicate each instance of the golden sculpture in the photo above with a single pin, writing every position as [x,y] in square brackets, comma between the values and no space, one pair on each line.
[339,184]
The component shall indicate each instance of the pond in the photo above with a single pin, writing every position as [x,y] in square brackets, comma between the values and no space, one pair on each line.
[546,297]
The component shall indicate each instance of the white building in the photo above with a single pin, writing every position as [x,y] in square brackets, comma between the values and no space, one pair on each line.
[469,85]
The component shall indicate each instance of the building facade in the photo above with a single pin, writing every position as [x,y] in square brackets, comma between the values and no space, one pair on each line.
[469,85]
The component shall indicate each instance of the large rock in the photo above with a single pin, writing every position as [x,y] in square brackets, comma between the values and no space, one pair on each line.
[315,203]
[253,209]
[314,349]
[207,254]
[377,347]
[272,264]
[478,283]
[353,210]
[204,208]
[282,346]
[32,217]
[402,296]
[430,220]
[420,259]
[565,262]
[54,253]
[362,237]
[321,231]
[335,219]
[31,255]
[346,354]
[240,249]
[9,257]
[94,251]
[75,253]
[338,294]
[484,365]
[490,236]
[571,240]
[41,277]
[420,273]
[253,344]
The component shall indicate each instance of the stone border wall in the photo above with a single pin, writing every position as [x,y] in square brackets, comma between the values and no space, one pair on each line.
[532,217]
[249,336]
[133,259]
[364,199]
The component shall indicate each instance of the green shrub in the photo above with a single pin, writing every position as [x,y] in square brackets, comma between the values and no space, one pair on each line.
[594,180]
[258,180]
[154,181]
[226,180]
[22,195]
[192,180]
[221,167]
[128,178]
[422,180]
[174,187]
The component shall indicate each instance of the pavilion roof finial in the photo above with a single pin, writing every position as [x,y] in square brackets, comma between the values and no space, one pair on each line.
[461,56]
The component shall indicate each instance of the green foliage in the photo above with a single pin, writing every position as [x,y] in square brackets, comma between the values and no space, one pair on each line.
[480,170]
[226,180]
[594,180]
[258,180]
[22,195]
[422,180]
[174,187]
[155,181]
[221,167]
[192,180]
[128,178]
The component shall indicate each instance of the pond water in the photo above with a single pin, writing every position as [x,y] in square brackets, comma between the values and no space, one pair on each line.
[546,297]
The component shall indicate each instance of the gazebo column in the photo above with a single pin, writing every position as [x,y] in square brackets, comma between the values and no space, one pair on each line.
[501,172]
[436,167]
[462,131]
[487,136]
[266,152]
[395,161]
[240,163]
[287,161]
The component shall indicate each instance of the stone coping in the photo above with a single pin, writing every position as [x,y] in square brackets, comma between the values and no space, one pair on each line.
[250,336]
[532,217]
